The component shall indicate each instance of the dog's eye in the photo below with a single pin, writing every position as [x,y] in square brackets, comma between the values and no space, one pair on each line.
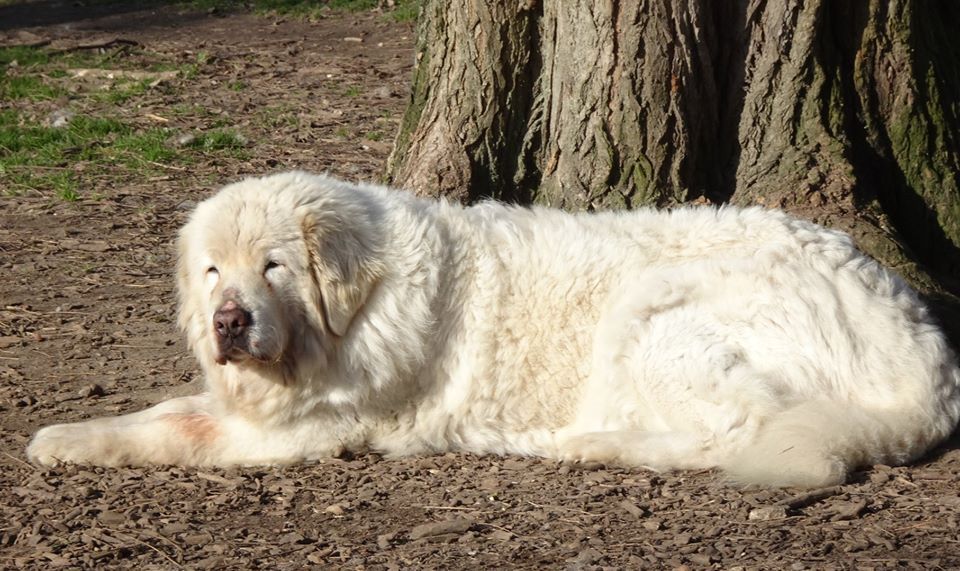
[271,265]
[213,270]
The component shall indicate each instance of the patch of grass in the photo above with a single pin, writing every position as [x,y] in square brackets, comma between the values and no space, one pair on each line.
[37,157]
[27,87]
[192,69]
[236,86]
[17,80]
[353,91]
[220,140]
[276,116]
[24,56]
[64,184]
[48,143]
[403,11]
[150,146]
[298,8]
[38,73]
[121,92]
[29,58]
[189,70]
[220,122]
[374,136]
[43,158]
[189,110]
[96,138]
[342,132]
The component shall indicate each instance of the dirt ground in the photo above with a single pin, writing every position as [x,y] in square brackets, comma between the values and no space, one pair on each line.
[87,329]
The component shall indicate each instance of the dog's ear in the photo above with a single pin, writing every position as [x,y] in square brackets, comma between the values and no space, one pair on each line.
[343,246]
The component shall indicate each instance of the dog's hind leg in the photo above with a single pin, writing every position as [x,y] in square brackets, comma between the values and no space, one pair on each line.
[670,388]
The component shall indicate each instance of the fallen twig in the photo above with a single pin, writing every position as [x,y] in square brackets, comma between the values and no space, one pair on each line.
[100,45]
[805,499]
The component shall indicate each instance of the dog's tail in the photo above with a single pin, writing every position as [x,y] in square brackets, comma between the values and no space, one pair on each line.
[818,443]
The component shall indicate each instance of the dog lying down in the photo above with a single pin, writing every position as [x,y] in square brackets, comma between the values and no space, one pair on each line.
[329,316]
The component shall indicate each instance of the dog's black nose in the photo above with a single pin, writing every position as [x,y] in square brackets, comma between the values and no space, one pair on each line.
[231,320]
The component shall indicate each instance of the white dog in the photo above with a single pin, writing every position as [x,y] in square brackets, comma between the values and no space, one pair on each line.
[330,316]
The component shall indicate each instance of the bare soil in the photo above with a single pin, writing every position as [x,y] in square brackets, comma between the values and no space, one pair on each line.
[87,329]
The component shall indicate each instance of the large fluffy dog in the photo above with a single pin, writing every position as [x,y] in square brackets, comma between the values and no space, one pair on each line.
[329,316]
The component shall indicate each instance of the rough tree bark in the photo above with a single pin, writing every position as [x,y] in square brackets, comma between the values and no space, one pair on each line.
[846,113]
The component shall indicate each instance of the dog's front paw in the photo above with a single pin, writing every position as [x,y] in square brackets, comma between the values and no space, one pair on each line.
[60,443]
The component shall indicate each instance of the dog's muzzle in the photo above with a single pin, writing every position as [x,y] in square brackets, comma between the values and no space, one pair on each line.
[231,323]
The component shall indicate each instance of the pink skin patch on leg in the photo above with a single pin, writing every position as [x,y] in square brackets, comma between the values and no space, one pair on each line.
[199,428]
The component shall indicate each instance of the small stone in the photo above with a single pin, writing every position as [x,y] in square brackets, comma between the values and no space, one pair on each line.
[91,390]
[702,559]
[768,513]
[174,528]
[588,556]
[60,118]
[185,139]
[111,518]
[292,537]
[454,526]
[196,538]
[384,540]
[652,525]
[849,510]
[334,509]
[631,508]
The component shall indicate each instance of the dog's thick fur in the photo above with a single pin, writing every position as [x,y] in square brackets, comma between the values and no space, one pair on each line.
[368,318]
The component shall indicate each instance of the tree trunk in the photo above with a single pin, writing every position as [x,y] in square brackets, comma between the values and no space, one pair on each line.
[842,112]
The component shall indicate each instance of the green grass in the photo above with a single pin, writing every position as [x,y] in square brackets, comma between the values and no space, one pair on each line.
[40,158]
[404,11]
[275,116]
[16,75]
[220,140]
[24,56]
[148,146]
[28,87]
[43,158]
[98,138]
[121,92]
[29,59]
[65,186]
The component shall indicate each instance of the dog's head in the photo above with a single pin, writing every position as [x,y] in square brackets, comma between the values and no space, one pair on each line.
[272,267]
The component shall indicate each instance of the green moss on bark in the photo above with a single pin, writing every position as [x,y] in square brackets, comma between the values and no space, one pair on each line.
[419,95]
